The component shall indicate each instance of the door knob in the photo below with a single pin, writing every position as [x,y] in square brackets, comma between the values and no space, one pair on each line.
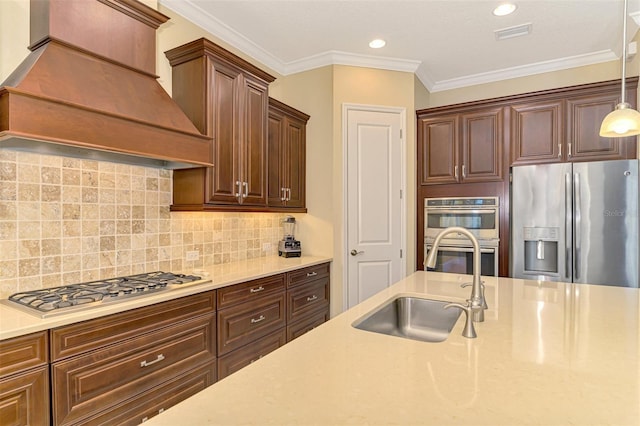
[355,252]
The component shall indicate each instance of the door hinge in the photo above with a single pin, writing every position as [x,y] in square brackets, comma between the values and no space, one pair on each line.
[400,253]
[401,194]
[400,133]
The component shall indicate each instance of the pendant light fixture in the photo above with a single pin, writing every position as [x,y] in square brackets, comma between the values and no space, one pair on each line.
[624,120]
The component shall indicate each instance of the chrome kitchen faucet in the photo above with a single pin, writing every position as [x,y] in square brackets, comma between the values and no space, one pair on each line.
[477,303]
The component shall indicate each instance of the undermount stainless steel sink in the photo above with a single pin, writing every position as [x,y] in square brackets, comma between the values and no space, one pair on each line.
[412,318]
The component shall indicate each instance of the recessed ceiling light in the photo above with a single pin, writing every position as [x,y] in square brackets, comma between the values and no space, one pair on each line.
[504,9]
[377,43]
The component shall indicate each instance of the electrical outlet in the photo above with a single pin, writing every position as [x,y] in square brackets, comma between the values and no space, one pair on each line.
[266,246]
[193,255]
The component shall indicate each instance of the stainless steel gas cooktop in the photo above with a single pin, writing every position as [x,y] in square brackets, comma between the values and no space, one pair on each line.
[71,298]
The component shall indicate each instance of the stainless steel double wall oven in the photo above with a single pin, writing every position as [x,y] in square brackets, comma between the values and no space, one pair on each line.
[480,215]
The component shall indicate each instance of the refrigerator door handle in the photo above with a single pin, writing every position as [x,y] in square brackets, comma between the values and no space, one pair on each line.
[567,225]
[578,222]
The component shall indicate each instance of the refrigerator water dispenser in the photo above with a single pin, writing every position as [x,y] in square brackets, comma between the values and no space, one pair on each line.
[541,250]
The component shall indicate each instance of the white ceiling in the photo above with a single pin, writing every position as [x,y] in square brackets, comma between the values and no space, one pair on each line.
[447,43]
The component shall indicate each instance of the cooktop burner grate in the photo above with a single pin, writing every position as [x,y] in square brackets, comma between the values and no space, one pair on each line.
[72,297]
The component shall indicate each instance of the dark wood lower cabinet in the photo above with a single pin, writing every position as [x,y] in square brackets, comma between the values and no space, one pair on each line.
[116,369]
[306,324]
[24,380]
[307,299]
[260,316]
[127,367]
[24,398]
[148,404]
[244,323]
[236,360]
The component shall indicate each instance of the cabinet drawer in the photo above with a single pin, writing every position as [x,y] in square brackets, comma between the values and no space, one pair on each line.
[308,298]
[306,324]
[87,384]
[88,335]
[22,353]
[302,276]
[251,290]
[246,355]
[24,398]
[160,398]
[244,323]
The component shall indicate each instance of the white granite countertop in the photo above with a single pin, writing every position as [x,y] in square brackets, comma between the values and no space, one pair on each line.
[14,322]
[547,354]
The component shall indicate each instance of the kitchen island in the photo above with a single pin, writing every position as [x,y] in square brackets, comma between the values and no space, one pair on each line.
[547,354]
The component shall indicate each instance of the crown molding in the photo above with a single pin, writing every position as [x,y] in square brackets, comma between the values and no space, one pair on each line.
[334,57]
[224,32]
[519,71]
[221,30]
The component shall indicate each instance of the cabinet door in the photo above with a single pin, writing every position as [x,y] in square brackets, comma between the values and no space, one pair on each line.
[584,116]
[244,323]
[92,383]
[24,398]
[482,138]
[253,143]
[276,164]
[221,180]
[294,163]
[438,149]
[248,354]
[536,132]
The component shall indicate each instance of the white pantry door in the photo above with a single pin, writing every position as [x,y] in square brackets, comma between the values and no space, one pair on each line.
[375,204]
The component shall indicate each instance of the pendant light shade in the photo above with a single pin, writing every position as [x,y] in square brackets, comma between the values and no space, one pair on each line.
[624,120]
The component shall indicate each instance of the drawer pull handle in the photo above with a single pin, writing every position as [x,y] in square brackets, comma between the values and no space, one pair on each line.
[146,363]
[257,320]
[257,289]
[144,419]
[312,298]
[312,274]
[254,360]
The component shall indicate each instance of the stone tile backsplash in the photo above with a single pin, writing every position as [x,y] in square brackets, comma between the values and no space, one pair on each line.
[66,220]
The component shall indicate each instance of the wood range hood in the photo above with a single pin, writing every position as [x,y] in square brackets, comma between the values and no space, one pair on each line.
[88,89]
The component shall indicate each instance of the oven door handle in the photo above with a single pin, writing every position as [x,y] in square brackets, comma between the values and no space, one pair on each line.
[463,249]
[460,211]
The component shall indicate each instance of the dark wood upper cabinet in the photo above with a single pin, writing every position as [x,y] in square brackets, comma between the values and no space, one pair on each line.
[227,99]
[460,146]
[536,132]
[563,125]
[287,152]
[477,142]
[584,116]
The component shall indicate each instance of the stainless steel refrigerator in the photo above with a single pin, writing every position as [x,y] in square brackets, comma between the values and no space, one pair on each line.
[576,222]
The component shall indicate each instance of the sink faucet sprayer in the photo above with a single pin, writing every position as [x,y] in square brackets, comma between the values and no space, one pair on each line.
[477,303]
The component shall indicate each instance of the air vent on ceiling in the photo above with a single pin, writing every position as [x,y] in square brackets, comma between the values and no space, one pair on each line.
[517,31]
